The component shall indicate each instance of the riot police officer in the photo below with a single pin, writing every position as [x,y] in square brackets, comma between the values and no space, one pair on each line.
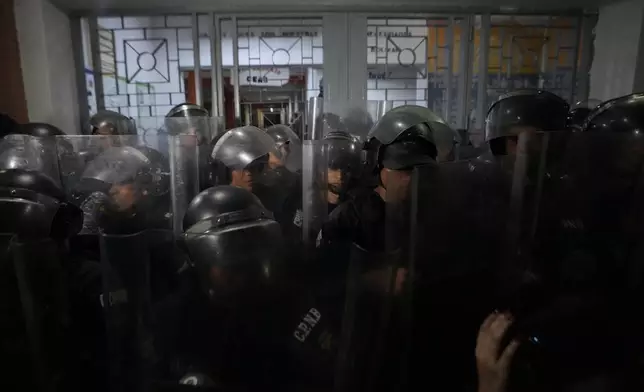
[242,323]
[522,111]
[280,186]
[109,123]
[396,144]
[241,155]
[343,166]
[364,240]
[124,186]
[573,216]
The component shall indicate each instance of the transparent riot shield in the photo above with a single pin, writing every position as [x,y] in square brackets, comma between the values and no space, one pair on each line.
[377,109]
[206,131]
[31,153]
[354,120]
[315,204]
[35,321]
[378,293]
[35,317]
[288,146]
[458,213]
[121,165]
[133,198]
[573,232]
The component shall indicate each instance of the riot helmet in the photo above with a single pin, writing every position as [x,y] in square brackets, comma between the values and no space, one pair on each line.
[187,119]
[232,242]
[358,123]
[579,113]
[30,153]
[325,123]
[110,123]
[288,146]
[32,202]
[122,165]
[520,111]
[577,117]
[445,137]
[131,179]
[243,152]
[33,205]
[400,140]
[343,162]
[623,114]
[40,130]
[618,133]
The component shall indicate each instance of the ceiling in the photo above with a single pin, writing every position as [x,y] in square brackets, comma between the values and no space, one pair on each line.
[310,6]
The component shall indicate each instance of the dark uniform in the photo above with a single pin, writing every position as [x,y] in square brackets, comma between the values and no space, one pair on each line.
[241,324]
[39,322]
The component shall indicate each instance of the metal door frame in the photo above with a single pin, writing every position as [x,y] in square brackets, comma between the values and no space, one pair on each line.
[463,89]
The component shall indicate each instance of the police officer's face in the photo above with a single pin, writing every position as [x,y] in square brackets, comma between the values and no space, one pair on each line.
[124,196]
[396,182]
[242,179]
[104,130]
[511,143]
[334,185]
[274,162]
[189,140]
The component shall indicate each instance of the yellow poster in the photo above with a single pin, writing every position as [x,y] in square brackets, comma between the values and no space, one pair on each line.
[514,49]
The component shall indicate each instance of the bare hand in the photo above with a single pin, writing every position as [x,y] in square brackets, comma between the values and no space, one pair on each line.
[493,365]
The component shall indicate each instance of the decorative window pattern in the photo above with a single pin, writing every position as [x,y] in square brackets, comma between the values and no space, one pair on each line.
[410,61]
[141,61]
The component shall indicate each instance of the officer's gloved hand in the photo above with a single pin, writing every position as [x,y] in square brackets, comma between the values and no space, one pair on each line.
[492,363]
